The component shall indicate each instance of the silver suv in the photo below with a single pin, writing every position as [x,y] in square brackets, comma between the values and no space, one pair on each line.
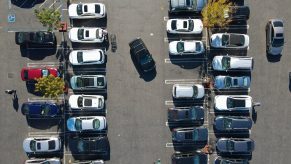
[275,36]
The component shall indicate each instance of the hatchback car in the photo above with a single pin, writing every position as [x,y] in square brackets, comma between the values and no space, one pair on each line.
[86,123]
[40,109]
[189,47]
[237,13]
[220,160]
[275,36]
[43,161]
[186,115]
[188,91]
[92,146]
[232,63]
[232,82]
[235,146]
[232,123]
[189,158]
[31,73]
[87,34]
[88,82]
[184,26]
[87,57]
[42,144]
[180,6]
[192,136]
[86,102]
[229,40]
[38,38]
[87,10]
[233,103]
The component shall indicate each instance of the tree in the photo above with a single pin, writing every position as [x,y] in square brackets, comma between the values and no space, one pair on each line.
[49,18]
[214,13]
[50,86]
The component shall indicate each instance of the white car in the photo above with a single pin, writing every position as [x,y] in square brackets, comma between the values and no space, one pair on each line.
[87,57]
[87,11]
[225,63]
[184,26]
[87,34]
[229,40]
[189,47]
[192,91]
[41,144]
[233,103]
[86,123]
[43,161]
[86,102]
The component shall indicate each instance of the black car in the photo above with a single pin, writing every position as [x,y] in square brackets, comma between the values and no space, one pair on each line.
[235,146]
[189,158]
[40,38]
[232,123]
[186,115]
[220,160]
[142,55]
[192,136]
[238,13]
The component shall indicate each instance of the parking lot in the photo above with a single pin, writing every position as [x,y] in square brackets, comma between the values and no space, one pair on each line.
[138,129]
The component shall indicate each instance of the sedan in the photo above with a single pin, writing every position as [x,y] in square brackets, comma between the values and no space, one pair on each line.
[232,82]
[87,34]
[39,38]
[40,109]
[184,115]
[235,146]
[87,11]
[87,57]
[43,161]
[42,144]
[86,102]
[92,146]
[184,26]
[86,123]
[88,82]
[229,40]
[29,73]
[232,63]
[220,160]
[195,136]
[233,103]
[232,123]
[192,91]
[189,158]
[189,47]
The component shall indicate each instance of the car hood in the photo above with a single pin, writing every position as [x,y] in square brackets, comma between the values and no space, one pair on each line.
[73,34]
[200,91]
[215,40]
[245,123]
[173,47]
[189,46]
[216,63]
[198,25]
[26,145]
[71,124]
[241,63]
[220,102]
[73,101]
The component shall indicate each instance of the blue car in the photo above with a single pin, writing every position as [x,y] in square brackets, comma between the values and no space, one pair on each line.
[40,109]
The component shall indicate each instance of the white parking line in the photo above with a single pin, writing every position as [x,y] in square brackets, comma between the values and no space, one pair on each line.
[43,64]
[52,3]
[170,102]
[59,7]
[33,99]
[178,81]
[185,60]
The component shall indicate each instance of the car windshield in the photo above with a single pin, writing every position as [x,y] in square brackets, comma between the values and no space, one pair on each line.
[195,91]
[99,103]
[100,81]
[80,34]
[190,25]
[225,40]
[32,145]
[227,123]
[97,34]
[227,82]
[230,145]
[278,42]
[180,47]
[79,82]
[278,24]
[174,25]
[78,124]
[97,8]
[79,9]
[45,109]
[245,81]
[195,135]
[193,113]
[80,101]
[80,56]
[96,124]
[45,72]
[225,62]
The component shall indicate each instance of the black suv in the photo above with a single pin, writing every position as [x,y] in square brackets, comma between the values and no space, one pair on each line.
[142,55]
[39,38]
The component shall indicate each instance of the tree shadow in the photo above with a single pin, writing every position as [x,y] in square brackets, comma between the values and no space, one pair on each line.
[30,86]
[102,22]
[26,4]
[44,123]
[187,61]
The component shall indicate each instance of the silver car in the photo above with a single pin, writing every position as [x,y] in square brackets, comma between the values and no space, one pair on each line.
[232,82]
[275,36]
[226,63]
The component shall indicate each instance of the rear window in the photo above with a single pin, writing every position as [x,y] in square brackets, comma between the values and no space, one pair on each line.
[97,8]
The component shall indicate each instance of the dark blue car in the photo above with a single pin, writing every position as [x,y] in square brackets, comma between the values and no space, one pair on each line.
[40,109]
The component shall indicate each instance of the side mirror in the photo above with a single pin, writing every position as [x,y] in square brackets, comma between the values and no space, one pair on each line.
[256,104]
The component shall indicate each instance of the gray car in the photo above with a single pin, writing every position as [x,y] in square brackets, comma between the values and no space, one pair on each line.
[88,82]
[232,82]
[197,136]
[232,123]
[235,146]
[275,36]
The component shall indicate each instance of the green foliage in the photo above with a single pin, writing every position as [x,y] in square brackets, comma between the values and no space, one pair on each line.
[50,86]
[214,13]
[49,18]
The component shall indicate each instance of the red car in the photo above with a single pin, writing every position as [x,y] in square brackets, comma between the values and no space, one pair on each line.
[28,74]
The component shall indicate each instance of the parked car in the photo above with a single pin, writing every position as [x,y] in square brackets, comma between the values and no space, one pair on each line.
[185,158]
[232,63]
[87,10]
[220,160]
[232,82]
[40,109]
[186,115]
[177,6]
[90,146]
[237,13]
[142,55]
[42,144]
[87,34]
[43,161]
[232,123]
[37,38]
[229,40]
[184,26]
[86,102]
[233,103]
[189,47]
[32,73]
[87,57]
[86,123]
[235,145]
[191,136]
[88,82]
[275,36]
[192,91]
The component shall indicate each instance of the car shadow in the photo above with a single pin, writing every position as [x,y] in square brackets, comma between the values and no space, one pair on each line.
[44,123]
[30,86]
[187,102]
[25,3]
[102,22]
[273,58]
[37,53]
[177,37]
[83,46]
[187,61]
